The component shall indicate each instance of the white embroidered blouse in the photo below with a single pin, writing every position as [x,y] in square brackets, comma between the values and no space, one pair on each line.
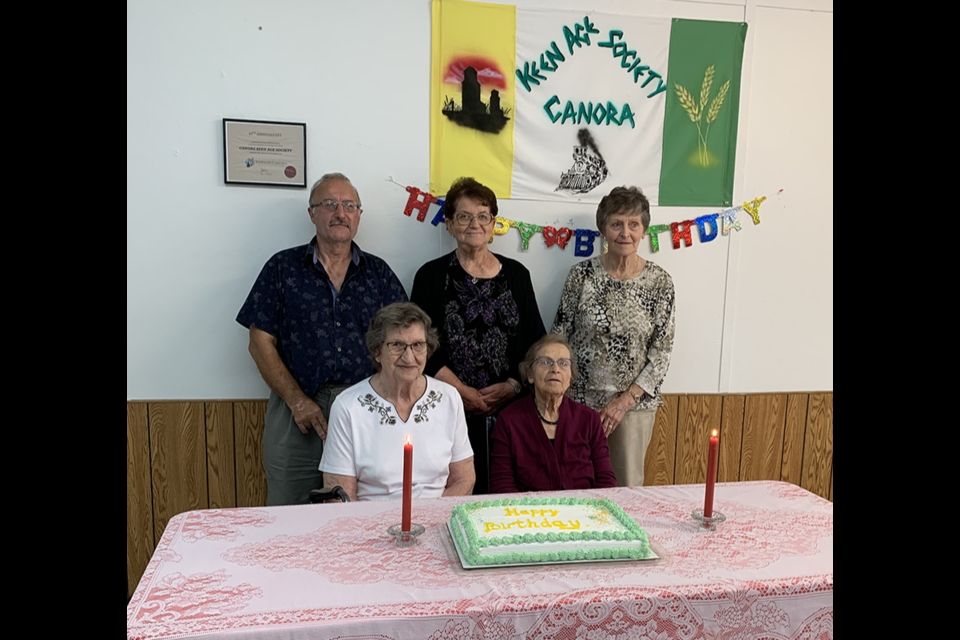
[366,437]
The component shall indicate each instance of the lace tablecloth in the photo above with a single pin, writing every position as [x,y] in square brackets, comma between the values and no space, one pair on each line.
[331,571]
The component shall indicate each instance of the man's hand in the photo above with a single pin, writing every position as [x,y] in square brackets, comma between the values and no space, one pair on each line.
[307,415]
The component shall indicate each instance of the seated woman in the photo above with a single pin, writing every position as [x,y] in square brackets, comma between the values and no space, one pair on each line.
[369,422]
[546,441]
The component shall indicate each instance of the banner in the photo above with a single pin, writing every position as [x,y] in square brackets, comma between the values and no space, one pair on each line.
[700,127]
[563,106]
[679,232]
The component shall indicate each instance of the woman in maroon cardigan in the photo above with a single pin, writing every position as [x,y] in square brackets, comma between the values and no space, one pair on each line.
[546,441]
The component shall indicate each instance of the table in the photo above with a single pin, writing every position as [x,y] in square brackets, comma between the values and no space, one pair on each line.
[331,571]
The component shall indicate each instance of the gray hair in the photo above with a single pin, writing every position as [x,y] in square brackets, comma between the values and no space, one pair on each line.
[399,315]
[626,200]
[331,177]
[534,352]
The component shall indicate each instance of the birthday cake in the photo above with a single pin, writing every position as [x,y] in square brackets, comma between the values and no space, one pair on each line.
[526,530]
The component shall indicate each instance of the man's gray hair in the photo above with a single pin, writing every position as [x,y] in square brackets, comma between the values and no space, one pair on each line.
[331,177]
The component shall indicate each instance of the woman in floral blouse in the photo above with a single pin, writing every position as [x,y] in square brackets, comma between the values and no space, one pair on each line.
[617,312]
[485,310]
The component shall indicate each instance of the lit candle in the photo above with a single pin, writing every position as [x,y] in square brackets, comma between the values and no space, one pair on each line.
[407,484]
[711,475]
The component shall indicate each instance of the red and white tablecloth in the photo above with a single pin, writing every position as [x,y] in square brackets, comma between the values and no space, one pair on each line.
[331,571]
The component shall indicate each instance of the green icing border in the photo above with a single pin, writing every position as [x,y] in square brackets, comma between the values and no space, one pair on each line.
[470,546]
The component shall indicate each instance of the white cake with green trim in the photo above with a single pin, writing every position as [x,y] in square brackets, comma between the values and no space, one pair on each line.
[524,530]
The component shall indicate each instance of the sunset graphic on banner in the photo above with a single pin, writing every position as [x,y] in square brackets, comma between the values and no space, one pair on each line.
[472,94]
[564,105]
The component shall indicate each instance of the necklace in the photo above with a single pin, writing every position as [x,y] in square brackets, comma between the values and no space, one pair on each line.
[479,267]
[541,415]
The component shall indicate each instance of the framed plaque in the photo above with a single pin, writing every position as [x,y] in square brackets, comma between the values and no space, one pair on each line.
[265,153]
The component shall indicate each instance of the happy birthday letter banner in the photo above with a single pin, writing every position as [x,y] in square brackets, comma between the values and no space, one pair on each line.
[563,106]
[680,233]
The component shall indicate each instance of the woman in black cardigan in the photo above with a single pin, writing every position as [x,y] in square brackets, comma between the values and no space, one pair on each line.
[485,310]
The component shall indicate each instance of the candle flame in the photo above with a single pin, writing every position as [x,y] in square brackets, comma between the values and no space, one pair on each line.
[713,436]
[408,437]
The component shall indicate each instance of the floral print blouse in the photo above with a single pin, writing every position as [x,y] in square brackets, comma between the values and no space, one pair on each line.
[620,330]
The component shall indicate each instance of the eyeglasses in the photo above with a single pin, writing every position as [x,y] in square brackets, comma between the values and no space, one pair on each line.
[463,219]
[331,205]
[546,362]
[397,348]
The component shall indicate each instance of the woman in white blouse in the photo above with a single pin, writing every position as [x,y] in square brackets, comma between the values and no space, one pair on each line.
[617,312]
[369,422]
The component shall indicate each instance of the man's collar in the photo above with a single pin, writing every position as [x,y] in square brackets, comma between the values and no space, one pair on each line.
[311,252]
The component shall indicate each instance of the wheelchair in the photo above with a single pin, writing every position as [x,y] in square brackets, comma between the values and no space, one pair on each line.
[329,493]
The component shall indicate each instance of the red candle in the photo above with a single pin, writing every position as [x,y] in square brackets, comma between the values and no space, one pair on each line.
[711,475]
[407,484]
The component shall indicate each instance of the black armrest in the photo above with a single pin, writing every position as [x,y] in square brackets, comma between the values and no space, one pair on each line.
[329,493]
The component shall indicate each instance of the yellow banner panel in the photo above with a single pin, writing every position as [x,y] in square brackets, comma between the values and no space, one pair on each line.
[472,99]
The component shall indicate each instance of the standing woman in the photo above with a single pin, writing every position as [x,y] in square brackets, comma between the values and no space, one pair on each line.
[617,312]
[485,311]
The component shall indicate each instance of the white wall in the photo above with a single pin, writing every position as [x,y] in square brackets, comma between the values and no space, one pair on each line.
[754,308]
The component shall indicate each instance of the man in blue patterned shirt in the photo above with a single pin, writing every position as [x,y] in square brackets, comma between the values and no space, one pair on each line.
[308,315]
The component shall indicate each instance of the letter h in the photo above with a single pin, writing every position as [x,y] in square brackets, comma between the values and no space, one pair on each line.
[414,202]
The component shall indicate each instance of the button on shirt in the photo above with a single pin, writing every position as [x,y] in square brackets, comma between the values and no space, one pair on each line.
[321,334]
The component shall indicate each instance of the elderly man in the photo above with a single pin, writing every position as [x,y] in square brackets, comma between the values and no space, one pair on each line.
[308,313]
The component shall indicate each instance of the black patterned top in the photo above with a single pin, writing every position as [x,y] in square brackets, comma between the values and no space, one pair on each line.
[621,331]
[486,325]
[320,336]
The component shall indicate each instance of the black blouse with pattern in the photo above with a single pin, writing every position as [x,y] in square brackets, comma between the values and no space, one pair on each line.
[486,325]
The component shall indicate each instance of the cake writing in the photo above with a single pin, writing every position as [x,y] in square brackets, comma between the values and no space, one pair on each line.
[570,525]
[531,512]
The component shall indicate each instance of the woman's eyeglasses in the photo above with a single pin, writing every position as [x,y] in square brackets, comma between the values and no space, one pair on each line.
[546,362]
[463,219]
[397,348]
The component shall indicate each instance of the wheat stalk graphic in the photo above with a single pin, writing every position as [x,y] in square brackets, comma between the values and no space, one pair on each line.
[687,102]
[696,110]
[715,109]
[705,88]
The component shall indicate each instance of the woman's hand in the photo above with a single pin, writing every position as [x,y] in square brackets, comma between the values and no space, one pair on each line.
[349,484]
[472,400]
[496,395]
[612,414]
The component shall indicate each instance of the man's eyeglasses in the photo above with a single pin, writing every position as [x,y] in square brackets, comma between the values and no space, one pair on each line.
[397,348]
[546,362]
[463,219]
[331,205]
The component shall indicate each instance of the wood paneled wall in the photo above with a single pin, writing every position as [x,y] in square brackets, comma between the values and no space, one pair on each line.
[208,454]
